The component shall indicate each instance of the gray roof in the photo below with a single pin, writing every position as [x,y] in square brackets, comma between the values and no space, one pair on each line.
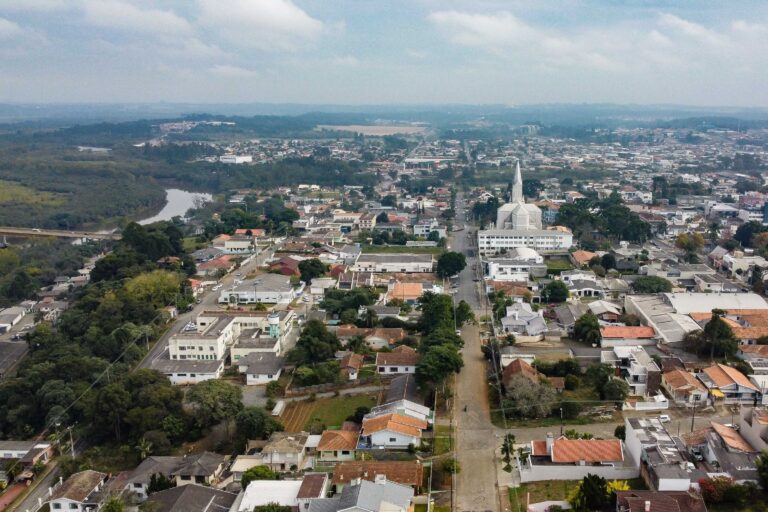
[403,387]
[199,464]
[567,314]
[261,363]
[388,258]
[151,465]
[191,498]
[365,496]
[186,365]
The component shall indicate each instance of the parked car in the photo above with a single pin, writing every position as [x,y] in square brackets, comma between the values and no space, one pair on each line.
[664,418]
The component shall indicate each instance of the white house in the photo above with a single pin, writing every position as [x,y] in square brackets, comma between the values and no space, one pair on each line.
[395,431]
[80,492]
[403,263]
[260,367]
[266,288]
[403,359]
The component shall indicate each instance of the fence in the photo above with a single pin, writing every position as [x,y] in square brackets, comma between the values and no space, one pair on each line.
[331,386]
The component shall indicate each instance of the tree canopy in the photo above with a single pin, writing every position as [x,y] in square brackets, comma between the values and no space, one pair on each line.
[450,263]
[651,284]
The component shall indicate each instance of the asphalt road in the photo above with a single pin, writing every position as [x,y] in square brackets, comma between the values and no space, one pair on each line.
[12,352]
[40,491]
[208,301]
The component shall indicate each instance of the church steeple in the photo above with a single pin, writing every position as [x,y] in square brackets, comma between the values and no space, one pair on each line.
[517,186]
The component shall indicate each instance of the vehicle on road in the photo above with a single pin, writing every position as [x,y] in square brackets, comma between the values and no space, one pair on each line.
[458,332]
[664,418]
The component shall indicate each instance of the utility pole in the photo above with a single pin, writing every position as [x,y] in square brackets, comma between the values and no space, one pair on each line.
[561,419]
[693,417]
[71,442]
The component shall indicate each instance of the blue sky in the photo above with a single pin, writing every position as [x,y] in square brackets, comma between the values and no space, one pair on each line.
[385,51]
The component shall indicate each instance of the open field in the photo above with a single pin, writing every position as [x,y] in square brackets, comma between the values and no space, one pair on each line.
[331,412]
[547,490]
[374,130]
[13,193]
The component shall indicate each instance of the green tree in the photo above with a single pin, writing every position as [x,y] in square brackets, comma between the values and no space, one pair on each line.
[762,468]
[159,482]
[746,232]
[315,344]
[113,504]
[651,284]
[528,399]
[717,338]
[158,288]
[272,507]
[608,261]
[615,390]
[436,312]
[464,313]
[215,401]
[620,432]
[437,364]
[255,423]
[450,263]
[555,291]
[587,329]
[258,473]
[592,494]
[311,269]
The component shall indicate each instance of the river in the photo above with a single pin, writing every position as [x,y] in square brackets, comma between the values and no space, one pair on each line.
[177,203]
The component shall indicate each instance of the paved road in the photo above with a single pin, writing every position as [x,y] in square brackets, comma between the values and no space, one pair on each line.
[40,491]
[58,233]
[475,434]
[208,301]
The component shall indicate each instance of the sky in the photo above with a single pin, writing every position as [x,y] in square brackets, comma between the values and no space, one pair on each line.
[511,52]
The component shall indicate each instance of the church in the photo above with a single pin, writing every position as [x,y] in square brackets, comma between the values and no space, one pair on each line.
[518,224]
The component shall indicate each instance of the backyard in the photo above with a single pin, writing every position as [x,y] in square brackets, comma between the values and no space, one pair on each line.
[329,412]
[550,490]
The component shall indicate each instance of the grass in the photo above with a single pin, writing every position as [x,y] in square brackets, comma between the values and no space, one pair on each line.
[400,249]
[555,266]
[13,193]
[550,490]
[191,244]
[332,412]
[442,439]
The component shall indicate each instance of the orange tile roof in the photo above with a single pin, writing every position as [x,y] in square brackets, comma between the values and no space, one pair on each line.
[732,438]
[406,291]
[756,320]
[352,361]
[539,447]
[760,350]
[333,440]
[520,367]
[634,332]
[588,450]
[582,257]
[681,380]
[394,422]
[723,376]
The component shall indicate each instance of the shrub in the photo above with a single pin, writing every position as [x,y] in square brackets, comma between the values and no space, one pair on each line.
[572,382]
[451,466]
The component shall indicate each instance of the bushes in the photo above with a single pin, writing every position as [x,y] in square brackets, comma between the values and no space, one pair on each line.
[572,382]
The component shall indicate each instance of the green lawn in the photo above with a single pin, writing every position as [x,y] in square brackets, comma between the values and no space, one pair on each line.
[400,249]
[191,244]
[332,412]
[547,490]
[442,440]
[555,266]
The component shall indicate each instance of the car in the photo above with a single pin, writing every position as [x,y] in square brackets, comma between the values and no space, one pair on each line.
[733,426]
[458,332]
[476,279]
[305,299]
[664,418]
[199,301]
[16,337]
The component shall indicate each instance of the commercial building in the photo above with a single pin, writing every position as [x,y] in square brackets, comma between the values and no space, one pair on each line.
[402,263]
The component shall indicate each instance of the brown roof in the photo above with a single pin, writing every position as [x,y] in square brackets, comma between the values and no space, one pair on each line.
[391,334]
[681,380]
[347,331]
[401,472]
[406,291]
[732,438]
[332,440]
[78,486]
[538,448]
[352,361]
[556,382]
[760,350]
[723,376]
[633,332]
[697,437]
[400,356]
[582,257]
[395,423]
[312,486]
[755,322]
[660,501]
[520,367]
[588,450]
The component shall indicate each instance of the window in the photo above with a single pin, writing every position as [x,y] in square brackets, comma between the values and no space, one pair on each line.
[392,439]
[57,506]
[186,477]
[345,452]
[73,506]
[382,369]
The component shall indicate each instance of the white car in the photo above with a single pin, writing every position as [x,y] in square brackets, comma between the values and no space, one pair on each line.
[664,418]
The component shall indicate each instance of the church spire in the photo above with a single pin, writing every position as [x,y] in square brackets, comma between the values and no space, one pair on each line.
[517,186]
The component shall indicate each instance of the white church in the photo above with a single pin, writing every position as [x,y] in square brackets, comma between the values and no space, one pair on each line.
[518,224]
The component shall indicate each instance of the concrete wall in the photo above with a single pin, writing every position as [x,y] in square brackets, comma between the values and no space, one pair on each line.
[553,472]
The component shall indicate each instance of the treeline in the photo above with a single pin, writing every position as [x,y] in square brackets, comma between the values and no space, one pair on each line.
[80,371]
[592,219]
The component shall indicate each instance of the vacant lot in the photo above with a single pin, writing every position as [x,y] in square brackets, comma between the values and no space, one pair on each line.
[331,412]
[555,490]
[13,193]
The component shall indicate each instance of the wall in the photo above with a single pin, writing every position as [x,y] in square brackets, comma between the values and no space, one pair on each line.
[401,440]
[551,472]
[253,379]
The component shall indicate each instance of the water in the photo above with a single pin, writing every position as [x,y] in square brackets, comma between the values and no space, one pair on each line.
[177,204]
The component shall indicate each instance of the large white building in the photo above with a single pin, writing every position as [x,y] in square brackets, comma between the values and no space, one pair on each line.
[518,224]
[403,263]
[267,288]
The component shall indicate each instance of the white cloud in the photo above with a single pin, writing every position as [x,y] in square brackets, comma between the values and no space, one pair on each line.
[346,60]
[9,29]
[34,5]
[227,71]
[263,24]
[117,14]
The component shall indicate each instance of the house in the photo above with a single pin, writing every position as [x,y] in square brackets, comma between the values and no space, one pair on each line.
[394,431]
[262,492]
[728,384]
[190,498]
[28,453]
[410,473]
[521,319]
[573,459]
[568,313]
[285,451]
[364,496]
[627,336]
[641,373]
[753,426]
[351,280]
[399,263]
[200,468]
[581,258]
[403,397]
[605,311]
[684,388]
[663,458]
[659,501]
[410,292]
[402,359]
[188,372]
[519,367]
[221,264]
[137,481]
[260,367]
[747,325]
[351,364]
[336,446]
[724,450]
[80,492]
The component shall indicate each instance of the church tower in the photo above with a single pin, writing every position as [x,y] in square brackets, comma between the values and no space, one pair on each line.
[517,186]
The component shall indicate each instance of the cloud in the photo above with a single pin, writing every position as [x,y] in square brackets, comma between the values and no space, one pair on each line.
[9,29]
[263,24]
[227,71]
[346,60]
[116,14]
[34,5]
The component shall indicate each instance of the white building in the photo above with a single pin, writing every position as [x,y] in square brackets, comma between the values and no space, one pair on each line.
[236,159]
[266,288]
[394,431]
[402,263]
[79,493]
[518,265]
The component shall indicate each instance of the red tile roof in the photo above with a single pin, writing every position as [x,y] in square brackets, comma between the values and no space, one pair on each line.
[333,440]
[723,376]
[401,472]
[400,356]
[632,332]
[394,422]
[588,450]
